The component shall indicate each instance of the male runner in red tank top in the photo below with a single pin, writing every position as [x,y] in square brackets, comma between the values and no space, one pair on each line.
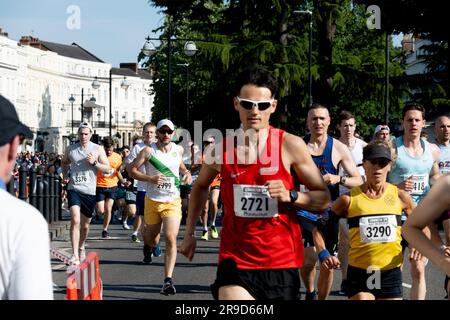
[260,249]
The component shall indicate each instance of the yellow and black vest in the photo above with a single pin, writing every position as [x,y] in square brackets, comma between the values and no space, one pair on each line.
[375,230]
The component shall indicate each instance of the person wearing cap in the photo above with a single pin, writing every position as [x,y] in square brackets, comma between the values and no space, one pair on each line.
[25,268]
[415,170]
[84,159]
[163,163]
[261,247]
[434,206]
[374,212]
[382,133]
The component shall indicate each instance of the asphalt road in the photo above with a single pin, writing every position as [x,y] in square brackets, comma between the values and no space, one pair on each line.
[125,277]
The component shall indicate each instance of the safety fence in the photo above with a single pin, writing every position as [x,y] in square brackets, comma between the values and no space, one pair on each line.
[84,282]
[44,192]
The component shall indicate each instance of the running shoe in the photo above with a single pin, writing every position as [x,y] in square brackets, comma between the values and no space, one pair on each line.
[156,251]
[204,235]
[311,296]
[125,226]
[214,233]
[168,288]
[74,261]
[105,234]
[82,254]
[147,250]
[135,238]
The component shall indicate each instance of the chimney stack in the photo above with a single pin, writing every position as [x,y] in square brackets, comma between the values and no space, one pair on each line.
[3,33]
[130,65]
[32,42]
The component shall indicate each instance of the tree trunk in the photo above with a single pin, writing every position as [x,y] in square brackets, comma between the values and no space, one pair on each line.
[326,28]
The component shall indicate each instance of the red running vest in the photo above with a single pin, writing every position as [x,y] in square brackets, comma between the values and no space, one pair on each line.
[259,243]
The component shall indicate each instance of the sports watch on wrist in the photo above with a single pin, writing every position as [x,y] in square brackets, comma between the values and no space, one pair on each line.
[95,163]
[293,194]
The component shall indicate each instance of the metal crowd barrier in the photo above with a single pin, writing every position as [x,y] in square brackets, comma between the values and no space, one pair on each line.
[41,191]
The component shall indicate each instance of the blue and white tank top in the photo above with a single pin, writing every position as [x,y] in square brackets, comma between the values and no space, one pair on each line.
[325,164]
[418,167]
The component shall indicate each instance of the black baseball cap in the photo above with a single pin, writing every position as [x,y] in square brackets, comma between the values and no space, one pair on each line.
[377,151]
[10,125]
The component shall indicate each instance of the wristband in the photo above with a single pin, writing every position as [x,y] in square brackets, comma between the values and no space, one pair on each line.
[323,255]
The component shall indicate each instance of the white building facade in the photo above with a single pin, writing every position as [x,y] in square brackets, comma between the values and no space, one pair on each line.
[39,77]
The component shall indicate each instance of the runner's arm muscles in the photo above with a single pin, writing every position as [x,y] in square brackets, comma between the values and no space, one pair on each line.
[338,210]
[187,176]
[428,210]
[318,196]
[119,174]
[103,163]
[434,174]
[324,229]
[354,178]
[407,202]
[133,167]
[65,163]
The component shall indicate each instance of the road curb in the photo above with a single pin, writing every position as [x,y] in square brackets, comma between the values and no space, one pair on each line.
[59,228]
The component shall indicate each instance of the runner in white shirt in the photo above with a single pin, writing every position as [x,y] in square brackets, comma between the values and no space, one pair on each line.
[163,163]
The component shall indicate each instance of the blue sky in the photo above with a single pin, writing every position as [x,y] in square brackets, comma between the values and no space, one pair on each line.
[113,30]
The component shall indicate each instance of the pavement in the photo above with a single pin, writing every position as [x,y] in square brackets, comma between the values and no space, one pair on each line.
[125,277]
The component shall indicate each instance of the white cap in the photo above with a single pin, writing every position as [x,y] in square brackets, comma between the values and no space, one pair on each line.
[165,122]
[381,127]
[85,125]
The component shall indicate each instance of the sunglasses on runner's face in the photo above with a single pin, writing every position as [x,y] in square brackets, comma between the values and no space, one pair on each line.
[164,131]
[380,162]
[248,104]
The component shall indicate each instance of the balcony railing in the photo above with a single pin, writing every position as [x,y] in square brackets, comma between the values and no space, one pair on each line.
[95,124]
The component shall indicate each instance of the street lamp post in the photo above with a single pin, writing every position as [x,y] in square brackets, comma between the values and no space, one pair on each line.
[386,88]
[124,85]
[186,65]
[309,13]
[149,49]
[72,100]
[82,104]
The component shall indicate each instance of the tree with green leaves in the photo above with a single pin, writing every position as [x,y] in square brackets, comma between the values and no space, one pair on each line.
[348,59]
